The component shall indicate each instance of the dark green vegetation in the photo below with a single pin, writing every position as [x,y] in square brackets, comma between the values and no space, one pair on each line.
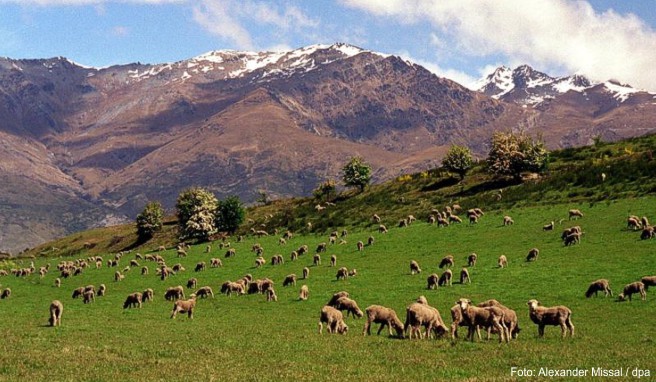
[244,337]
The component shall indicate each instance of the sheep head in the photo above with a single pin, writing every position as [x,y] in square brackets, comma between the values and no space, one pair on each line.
[422,300]
[533,304]
[464,303]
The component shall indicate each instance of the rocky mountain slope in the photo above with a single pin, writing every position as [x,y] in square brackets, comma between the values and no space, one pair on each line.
[81,146]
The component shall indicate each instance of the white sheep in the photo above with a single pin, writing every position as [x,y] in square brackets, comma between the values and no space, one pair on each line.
[555,316]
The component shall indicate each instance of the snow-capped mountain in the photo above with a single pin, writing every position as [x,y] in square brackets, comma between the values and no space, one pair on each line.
[527,86]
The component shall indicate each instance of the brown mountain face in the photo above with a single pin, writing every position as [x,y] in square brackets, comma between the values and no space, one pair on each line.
[81,147]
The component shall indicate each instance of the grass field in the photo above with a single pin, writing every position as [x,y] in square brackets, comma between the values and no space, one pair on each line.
[247,338]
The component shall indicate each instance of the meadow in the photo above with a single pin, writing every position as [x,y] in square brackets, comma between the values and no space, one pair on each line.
[247,338]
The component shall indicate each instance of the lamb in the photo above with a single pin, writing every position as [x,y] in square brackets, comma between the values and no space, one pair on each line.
[5,294]
[56,310]
[174,293]
[349,305]
[186,306]
[464,276]
[89,296]
[316,260]
[574,213]
[532,254]
[447,261]
[58,282]
[648,281]
[433,281]
[632,288]
[418,315]
[133,300]
[200,266]
[507,220]
[333,300]
[147,295]
[342,273]
[271,295]
[306,273]
[599,285]
[215,263]
[414,267]
[471,259]
[191,283]
[333,261]
[204,292]
[382,229]
[557,315]
[489,317]
[445,278]
[378,314]
[549,227]
[289,280]
[334,320]
[304,293]
[503,261]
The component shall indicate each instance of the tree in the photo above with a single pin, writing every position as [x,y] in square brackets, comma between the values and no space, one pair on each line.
[229,214]
[511,154]
[459,160]
[195,209]
[325,190]
[149,220]
[356,173]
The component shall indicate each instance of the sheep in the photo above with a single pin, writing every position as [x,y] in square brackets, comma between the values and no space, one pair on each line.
[191,283]
[644,221]
[417,315]
[334,320]
[549,227]
[473,219]
[56,310]
[633,223]
[147,295]
[134,263]
[442,222]
[456,321]
[178,268]
[266,284]
[259,261]
[316,260]
[353,272]
[454,219]
[630,289]
[432,281]
[174,293]
[164,272]
[102,290]
[289,280]
[370,240]
[382,229]
[303,249]
[58,282]
[349,305]
[422,300]
[510,317]
[253,287]
[342,273]
[403,223]
[445,278]
[471,259]
[271,295]
[118,276]
[321,247]
[304,293]
[186,306]
[181,253]
[464,276]
[288,235]
[204,292]
[411,219]
[78,292]
[233,287]
[360,246]
[333,261]
[378,314]
[574,213]
[476,317]
[503,261]
[648,281]
[414,267]
[599,285]
[306,273]
[333,300]
[257,248]
[532,254]
[648,233]
[5,294]
[89,296]
[573,238]
[375,218]
[133,300]
[144,270]
[332,239]
[431,219]
[557,315]
[507,220]
[293,256]
[282,241]
[200,266]
[447,261]
[215,262]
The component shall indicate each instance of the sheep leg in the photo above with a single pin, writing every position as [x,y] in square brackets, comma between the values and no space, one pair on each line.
[541,330]
[571,326]
[382,326]
[175,312]
[367,328]
[320,328]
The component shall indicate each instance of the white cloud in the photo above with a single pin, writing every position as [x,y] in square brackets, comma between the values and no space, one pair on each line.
[215,17]
[548,34]
[86,2]
[458,76]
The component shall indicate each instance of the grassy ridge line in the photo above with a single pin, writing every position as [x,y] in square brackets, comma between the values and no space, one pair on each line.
[241,337]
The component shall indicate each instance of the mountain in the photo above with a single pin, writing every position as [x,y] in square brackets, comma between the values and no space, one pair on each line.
[81,147]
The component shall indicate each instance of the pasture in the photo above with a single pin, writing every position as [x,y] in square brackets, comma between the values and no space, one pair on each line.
[247,338]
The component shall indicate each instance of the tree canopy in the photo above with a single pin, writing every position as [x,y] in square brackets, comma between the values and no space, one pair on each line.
[356,173]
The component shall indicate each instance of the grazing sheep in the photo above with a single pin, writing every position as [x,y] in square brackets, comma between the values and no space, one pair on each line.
[57,282]
[118,276]
[215,262]
[56,310]
[447,261]
[360,246]
[178,268]
[89,296]
[147,295]
[599,285]
[417,315]
[403,223]
[507,220]
[648,233]
[333,261]
[574,213]
[304,293]
[648,281]
[342,273]
[456,321]
[414,267]
[200,266]
[557,315]
[204,292]
[174,293]
[573,238]
[133,300]
[187,306]
[473,219]
[454,219]
[303,249]
[181,253]
[78,292]
[289,280]
[134,263]
[630,289]
[503,261]
[549,227]
[293,256]
[282,241]
[445,278]
[432,281]
[382,229]
[349,305]
[316,260]
[471,259]
[306,273]
[370,240]
[333,300]
[5,294]
[191,283]
[144,270]
[633,223]
[644,221]
[230,287]
[464,276]
[375,218]
[321,247]
[271,295]
[334,320]
[422,300]
[353,272]
[259,261]
[378,314]
[488,318]
[510,317]
[266,284]
[532,254]
[432,219]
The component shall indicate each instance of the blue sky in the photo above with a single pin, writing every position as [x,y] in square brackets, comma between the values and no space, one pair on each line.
[459,39]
